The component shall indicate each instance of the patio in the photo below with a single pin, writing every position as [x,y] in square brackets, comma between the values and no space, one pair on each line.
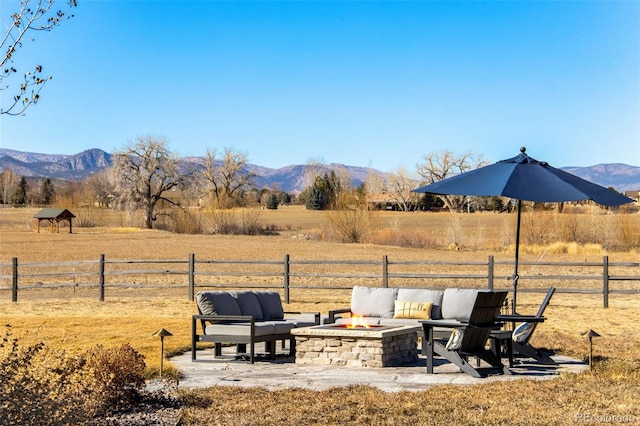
[283,373]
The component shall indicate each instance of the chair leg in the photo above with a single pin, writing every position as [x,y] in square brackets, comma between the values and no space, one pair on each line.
[292,346]
[271,345]
[496,348]
[457,359]
[495,361]
[510,352]
[427,348]
[194,339]
[531,352]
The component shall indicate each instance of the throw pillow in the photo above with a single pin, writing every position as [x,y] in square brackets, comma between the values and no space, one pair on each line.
[455,341]
[412,310]
[523,331]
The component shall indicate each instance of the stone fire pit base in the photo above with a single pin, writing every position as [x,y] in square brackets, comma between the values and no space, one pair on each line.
[375,347]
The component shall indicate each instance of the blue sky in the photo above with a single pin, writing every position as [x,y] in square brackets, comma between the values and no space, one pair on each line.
[374,84]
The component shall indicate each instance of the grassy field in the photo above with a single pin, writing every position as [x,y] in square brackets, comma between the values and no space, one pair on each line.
[76,321]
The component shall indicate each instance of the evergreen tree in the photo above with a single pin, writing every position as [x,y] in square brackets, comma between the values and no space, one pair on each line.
[47,191]
[324,193]
[316,199]
[272,202]
[20,195]
[429,201]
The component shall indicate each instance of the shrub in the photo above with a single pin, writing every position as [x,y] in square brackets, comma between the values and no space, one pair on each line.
[89,217]
[39,386]
[186,223]
[118,376]
[351,226]
[43,386]
[236,222]
[404,239]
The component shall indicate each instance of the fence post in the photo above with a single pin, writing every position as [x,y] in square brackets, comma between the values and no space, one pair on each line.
[101,278]
[192,272]
[385,271]
[286,278]
[14,283]
[605,281]
[490,273]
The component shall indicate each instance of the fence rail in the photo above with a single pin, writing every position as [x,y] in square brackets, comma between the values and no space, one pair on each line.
[290,275]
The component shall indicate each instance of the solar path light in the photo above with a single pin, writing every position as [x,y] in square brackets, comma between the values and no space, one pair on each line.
[591,334]
[162,333]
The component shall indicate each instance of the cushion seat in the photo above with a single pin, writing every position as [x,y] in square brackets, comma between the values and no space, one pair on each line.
[241,329]
[280,327]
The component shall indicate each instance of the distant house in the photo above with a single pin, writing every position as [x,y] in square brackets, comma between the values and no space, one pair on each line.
[381,202]
[55,216]
[633,194]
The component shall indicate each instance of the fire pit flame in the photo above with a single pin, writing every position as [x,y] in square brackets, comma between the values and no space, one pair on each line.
[358,322]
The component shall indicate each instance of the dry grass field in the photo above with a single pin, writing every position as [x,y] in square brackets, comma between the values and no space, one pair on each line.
[75,320]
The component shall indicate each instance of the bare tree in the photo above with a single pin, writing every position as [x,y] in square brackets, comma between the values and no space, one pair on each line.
[313,169]
[344,196]
[32,16]
[375,184]
[100,187]
[9,184]
[400,184]
[145,171]
[227,178]
[443,164]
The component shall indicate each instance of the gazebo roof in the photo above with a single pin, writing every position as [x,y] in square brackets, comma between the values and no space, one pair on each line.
[54,214]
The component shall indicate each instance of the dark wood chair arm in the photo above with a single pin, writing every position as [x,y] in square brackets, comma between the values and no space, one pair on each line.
[520,318]
[332,314]
[218,318]
[237,318]
[443,324]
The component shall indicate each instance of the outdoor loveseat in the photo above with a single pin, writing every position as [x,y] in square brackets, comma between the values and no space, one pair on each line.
[245,318]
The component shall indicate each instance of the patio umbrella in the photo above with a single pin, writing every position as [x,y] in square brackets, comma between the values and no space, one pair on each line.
[523,178]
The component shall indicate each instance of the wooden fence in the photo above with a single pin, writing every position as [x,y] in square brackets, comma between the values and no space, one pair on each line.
[289,275]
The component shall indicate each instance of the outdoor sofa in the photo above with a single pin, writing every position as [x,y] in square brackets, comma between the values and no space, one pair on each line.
[409,306]
[406,306]
[245,318]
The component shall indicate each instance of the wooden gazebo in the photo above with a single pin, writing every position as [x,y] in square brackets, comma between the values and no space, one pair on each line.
[55,216]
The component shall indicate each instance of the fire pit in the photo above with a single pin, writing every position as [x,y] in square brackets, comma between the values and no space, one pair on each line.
[356,345]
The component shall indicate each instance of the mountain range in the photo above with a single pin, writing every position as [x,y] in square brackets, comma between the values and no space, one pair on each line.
[290,178]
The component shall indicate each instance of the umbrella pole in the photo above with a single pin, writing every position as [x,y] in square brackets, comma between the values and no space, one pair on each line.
[515,271]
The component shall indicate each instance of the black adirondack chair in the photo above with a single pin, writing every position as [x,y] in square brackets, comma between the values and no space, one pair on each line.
[469,339]
[522,336]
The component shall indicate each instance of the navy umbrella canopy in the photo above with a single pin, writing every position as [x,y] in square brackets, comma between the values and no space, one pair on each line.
[523,178]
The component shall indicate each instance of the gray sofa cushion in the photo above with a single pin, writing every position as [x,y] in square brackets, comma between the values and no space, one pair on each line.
[373,301]
[423,295]
[303,320]
[270,304]
[217,303]
[282,326]
[457,303]
[249,304]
